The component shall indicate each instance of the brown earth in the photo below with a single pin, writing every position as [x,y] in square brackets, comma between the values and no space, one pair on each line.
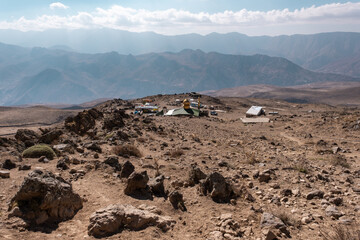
[296,150]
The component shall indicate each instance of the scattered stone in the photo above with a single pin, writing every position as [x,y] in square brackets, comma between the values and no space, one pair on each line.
[94,147]
[4,174]
[286,192]
[315,194]
[24,167]
[332,211]
[264,177]
[43,159]
[177,201]
[127,169]
[61,164]
[45,198]
[114,218]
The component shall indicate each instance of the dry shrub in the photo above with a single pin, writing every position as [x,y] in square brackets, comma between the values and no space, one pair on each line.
[287,218]
[340,232]
[157,167]
[127,150]
[251,158]
[339,160]
[302,167]
[176,153]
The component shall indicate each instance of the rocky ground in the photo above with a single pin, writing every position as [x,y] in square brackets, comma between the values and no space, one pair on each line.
[120,176]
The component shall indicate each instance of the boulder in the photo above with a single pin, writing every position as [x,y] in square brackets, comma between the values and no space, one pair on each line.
[127,169]
[114,218]
[27,136]
[8,164]
[157,186]
[217,187]
[50,136]
[113,161]
[137,182]
[45,198]
[177,201]
[269,220]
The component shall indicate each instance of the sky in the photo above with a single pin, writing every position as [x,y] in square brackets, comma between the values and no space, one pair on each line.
[172,17]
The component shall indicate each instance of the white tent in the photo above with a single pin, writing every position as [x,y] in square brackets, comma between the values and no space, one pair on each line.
[255,111]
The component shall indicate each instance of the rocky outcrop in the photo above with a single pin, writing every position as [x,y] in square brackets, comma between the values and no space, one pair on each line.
[83,122]
[27,136]
[114,218]
[177,201]
[157,186]
[195,175]
[127,169]
[44,197]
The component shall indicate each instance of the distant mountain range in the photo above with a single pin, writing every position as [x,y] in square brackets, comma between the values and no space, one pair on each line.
[39,75]
[336,52]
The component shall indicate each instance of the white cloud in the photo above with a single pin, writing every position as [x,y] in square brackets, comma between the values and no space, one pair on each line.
[329,17]
[57,5]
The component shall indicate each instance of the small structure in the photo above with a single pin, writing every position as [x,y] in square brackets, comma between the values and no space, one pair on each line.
[147,108]
[255,111]
[183,111]
[255,120]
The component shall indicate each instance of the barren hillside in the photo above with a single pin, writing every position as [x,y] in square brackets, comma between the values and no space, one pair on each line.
[294,177]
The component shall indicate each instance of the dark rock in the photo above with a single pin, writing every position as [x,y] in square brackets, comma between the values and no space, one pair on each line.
[94,147]
[50,136]
[195,175]
[127,169]
[264,177]
[43,159]
[157,186]
[8,164]
[61,164]
[122,135]
[177,201]
[44,198]
[114,120]
[24,167]
[286,192]
[337,201]
[4,174]
[216,186]
[137,182]
[114,218]
[315,194]
[83,121]
[27,135]
[113,161]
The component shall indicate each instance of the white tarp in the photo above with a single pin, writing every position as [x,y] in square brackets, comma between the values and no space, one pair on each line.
[254,111]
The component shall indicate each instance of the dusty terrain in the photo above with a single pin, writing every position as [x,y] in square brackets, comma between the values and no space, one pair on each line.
[305,147]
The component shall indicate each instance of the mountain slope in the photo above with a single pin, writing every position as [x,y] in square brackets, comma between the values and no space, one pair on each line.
[53,76]
[312,52]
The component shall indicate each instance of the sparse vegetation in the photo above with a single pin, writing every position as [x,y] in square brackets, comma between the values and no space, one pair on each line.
[176,153]
[251,158]
[301,167]
[287,218]
[339,160]
[39,150]
[341,233]
[127,150]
